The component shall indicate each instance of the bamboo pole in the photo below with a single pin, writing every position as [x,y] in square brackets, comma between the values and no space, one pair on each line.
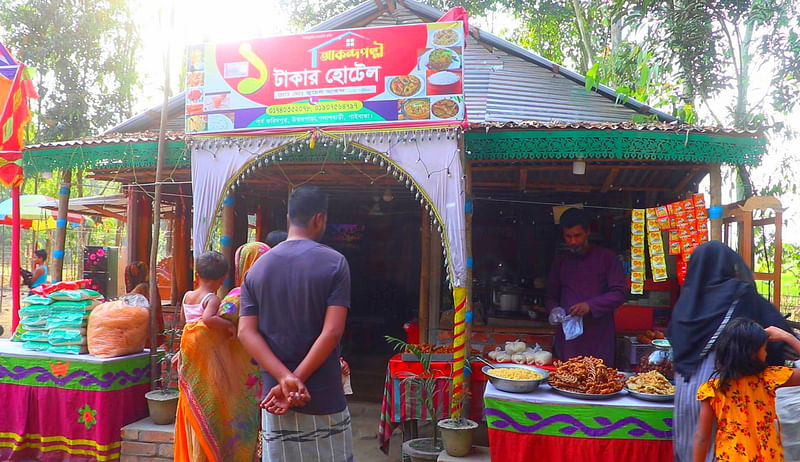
[468,232]
[61,226]
[154,295]
[226,240]
[424,277]
[715,174]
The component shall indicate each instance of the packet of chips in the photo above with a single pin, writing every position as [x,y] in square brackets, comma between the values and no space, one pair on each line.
[699,201]
[674,242]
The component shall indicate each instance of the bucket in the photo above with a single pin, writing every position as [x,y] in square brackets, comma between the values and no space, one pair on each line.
[412,332]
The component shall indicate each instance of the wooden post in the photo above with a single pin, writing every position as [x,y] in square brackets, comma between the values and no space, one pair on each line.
[241,227]
[746,238]
[181,251]
[226,240]
[468,232]
[131,217]
[424,277]
[138,225]
[435,289]
[61,226]
[261,232]
[715,174]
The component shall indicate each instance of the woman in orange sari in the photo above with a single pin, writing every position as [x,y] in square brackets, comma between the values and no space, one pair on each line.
[218,411]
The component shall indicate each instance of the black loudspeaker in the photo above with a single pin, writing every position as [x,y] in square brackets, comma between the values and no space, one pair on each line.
[99,281]
[95,259]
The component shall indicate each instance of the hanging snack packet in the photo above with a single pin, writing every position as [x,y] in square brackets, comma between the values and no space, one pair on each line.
[699,201]
[663,217]
[674,242]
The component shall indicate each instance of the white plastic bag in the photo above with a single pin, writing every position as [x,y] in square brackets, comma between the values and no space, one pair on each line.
[571,325]
[787,405]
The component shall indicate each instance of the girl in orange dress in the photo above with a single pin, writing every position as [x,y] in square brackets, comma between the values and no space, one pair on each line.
[740,397]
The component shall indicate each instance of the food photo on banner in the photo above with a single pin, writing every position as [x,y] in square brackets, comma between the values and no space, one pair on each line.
[398,75]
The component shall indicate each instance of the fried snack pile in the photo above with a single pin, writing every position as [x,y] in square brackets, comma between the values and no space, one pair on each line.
[652,382]
[585,374]
[513,373]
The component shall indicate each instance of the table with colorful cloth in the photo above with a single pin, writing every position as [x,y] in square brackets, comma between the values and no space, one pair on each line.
[544,425]
[68,407]
[402,401]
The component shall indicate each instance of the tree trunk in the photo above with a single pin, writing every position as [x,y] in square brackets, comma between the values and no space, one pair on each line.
[740,116]
[586,41]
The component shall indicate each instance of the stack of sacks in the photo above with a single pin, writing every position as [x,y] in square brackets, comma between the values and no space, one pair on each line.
[69,315]
[32,330]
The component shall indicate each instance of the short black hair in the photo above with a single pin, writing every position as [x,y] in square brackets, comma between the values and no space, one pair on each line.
[574,217]
[735,351]
[41,253]
[276,237]
[211,265]
[306,202]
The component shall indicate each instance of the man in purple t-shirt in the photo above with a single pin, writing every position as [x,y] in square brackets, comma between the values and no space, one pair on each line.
[294,304]
[587,282]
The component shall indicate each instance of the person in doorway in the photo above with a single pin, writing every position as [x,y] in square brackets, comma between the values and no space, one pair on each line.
[294,305]
[587,282]
[39,271]
[276,237]
[719,287]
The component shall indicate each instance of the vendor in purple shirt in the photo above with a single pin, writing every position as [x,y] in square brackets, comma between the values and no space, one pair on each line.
[588,282]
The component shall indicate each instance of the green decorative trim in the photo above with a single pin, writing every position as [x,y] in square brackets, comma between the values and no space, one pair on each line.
[581,421]
[75,374]
[105,156]
[614,144]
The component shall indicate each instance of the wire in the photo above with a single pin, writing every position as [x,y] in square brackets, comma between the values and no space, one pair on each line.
[553,204]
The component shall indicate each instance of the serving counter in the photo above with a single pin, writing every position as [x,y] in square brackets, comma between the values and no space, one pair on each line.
[68,407]
[544,425]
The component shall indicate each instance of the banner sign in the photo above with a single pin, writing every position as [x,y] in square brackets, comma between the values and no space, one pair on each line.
[410,74]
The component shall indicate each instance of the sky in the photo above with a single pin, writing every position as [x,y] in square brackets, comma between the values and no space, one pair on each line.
[198,21]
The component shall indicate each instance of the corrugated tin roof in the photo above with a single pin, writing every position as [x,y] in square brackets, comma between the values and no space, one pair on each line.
[109,139]
[150,119]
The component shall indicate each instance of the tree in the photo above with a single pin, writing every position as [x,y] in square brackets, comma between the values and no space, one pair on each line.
[718,45]
[85,54]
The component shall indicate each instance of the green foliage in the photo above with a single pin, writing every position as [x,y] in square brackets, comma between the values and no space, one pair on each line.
[86,56]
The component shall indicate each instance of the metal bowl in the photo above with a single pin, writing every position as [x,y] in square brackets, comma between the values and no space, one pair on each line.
[650,396]
[516,386]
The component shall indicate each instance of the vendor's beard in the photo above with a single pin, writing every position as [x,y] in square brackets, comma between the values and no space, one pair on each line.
[578,250]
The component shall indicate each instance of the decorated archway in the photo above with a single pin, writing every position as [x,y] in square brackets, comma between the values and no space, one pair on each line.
[428,162]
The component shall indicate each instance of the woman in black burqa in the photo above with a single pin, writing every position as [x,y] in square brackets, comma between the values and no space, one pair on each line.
[719,287]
